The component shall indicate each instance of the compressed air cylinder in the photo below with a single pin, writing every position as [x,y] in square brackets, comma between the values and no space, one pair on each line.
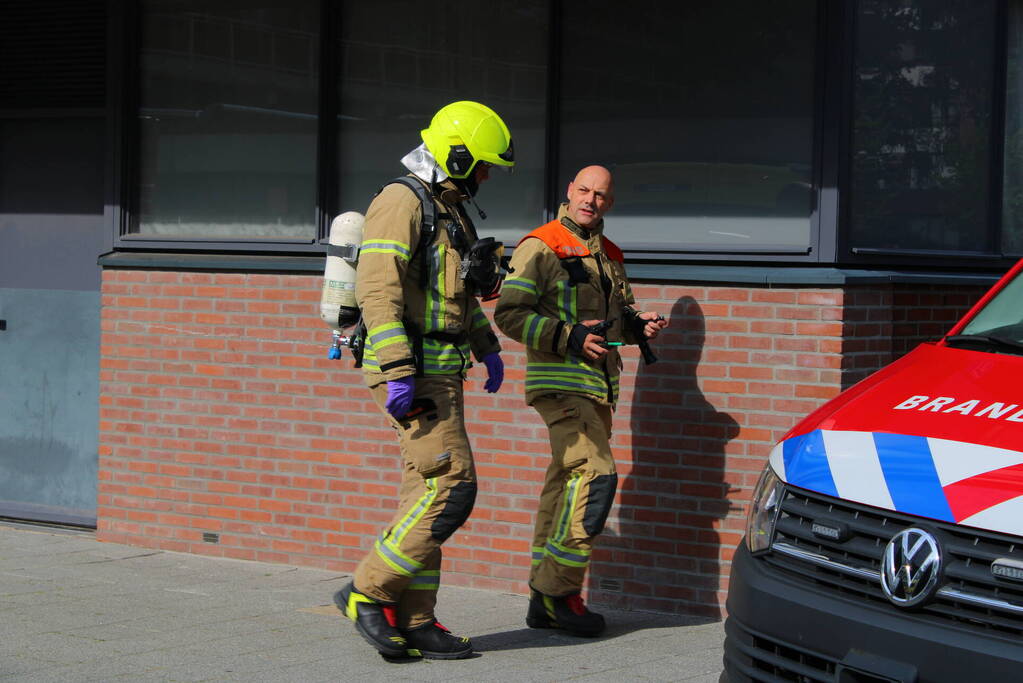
[337,301]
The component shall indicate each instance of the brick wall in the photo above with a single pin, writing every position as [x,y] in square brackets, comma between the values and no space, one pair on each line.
[884,322]
[225,430]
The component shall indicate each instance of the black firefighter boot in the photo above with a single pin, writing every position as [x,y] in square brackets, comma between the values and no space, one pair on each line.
[433,641]
[567,612]
[376,622]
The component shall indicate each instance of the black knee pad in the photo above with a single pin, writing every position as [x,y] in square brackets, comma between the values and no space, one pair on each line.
[598,503]
[457,509]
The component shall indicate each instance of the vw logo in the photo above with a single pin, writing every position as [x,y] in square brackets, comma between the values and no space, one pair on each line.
[910,567]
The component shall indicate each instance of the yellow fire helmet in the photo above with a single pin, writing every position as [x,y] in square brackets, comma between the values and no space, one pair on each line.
[465,133]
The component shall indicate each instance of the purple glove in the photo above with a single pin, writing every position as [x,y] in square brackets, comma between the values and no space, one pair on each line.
[495,371]
[399,395]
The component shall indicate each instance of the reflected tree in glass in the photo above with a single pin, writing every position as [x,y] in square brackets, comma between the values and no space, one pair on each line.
[921,133]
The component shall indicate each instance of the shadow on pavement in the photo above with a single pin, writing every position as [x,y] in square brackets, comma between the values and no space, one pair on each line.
[523,638]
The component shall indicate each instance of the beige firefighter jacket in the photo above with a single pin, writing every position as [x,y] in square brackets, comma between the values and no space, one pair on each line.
[539,306]
[444,317]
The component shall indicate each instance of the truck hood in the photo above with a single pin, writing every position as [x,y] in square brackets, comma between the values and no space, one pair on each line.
[937,434]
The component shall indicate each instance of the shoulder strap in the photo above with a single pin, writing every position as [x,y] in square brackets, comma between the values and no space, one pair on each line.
[428,231]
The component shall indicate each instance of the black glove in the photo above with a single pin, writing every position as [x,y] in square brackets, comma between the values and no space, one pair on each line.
[577,337]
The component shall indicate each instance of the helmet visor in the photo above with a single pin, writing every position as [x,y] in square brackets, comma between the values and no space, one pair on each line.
[509,154]
[507,157]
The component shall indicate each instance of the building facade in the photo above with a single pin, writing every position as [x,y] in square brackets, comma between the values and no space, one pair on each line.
[805,189]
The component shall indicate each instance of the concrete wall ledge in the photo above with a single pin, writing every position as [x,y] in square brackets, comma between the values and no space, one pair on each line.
[638,271]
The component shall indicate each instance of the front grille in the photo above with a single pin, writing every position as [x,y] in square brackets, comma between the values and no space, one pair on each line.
[968,595]
[753,657]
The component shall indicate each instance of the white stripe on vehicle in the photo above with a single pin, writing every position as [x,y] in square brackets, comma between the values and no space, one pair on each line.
[856,469]
[956,460]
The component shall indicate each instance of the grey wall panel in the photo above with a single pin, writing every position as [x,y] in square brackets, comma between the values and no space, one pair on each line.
[51,203]
[53,182]
[49,412]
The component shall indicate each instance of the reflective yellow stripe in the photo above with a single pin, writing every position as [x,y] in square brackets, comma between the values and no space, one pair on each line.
[426,580]
[415,513]
[568,506]
[351,607]
[568,298]
[395,559]
[386,334]
[388,547]
[566,556]
[435,295]
[533,329]
[522,284]
[479,319]
[569,376]
[555,548]
[393,247]
[444,358]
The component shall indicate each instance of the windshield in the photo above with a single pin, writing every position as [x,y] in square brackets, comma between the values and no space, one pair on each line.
[1002,317]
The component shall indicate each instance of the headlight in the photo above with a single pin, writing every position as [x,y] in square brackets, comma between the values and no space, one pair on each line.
[764,512]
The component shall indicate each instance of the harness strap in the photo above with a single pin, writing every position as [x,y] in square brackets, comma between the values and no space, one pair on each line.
[448,337]
[429,228]
[576,271]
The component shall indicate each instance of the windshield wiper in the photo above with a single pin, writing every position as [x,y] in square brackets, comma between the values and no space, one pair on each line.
[989,340]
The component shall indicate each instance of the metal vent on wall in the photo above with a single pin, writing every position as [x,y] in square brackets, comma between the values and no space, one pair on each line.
[52,54]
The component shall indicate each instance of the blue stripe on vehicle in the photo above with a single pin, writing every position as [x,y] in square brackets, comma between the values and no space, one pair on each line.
[912,479]
[806,463]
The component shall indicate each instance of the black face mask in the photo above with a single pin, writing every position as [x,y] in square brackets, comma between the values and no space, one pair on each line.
[484,267]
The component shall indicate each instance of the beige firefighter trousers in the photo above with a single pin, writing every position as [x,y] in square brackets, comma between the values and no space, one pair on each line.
[438,490]
[577,494]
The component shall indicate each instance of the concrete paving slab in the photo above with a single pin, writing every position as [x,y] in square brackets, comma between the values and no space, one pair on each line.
[74,609]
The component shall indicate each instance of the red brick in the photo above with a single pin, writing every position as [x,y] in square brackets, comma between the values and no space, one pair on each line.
[218,412]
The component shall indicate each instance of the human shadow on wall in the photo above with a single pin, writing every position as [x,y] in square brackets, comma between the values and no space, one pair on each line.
[660,550]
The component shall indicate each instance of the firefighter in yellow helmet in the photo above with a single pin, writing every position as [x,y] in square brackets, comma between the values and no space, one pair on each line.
[422,270]
[569,302]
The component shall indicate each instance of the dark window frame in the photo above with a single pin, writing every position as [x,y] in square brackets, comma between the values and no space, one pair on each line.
[124,74]
[124,148]
[829,243]
[846,254]
[823,218]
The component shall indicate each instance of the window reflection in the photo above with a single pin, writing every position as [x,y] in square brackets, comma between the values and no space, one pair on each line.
[920,166]
[703,111]
[1012,195]
[227,119]
[395,74]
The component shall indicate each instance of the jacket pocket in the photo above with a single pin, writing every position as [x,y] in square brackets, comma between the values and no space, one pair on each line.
[449,295]
[454,285]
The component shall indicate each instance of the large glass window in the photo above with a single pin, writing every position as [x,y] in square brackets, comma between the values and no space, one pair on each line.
[1012,194]
[921,132]
[401,61]
[228,119]
[703,111]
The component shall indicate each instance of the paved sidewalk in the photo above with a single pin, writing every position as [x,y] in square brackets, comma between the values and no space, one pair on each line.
[73,609]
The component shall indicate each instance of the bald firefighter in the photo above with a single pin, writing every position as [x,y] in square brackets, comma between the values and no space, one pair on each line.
[422,269]
[569,302]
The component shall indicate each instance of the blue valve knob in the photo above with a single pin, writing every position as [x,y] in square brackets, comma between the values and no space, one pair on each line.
[334,353]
